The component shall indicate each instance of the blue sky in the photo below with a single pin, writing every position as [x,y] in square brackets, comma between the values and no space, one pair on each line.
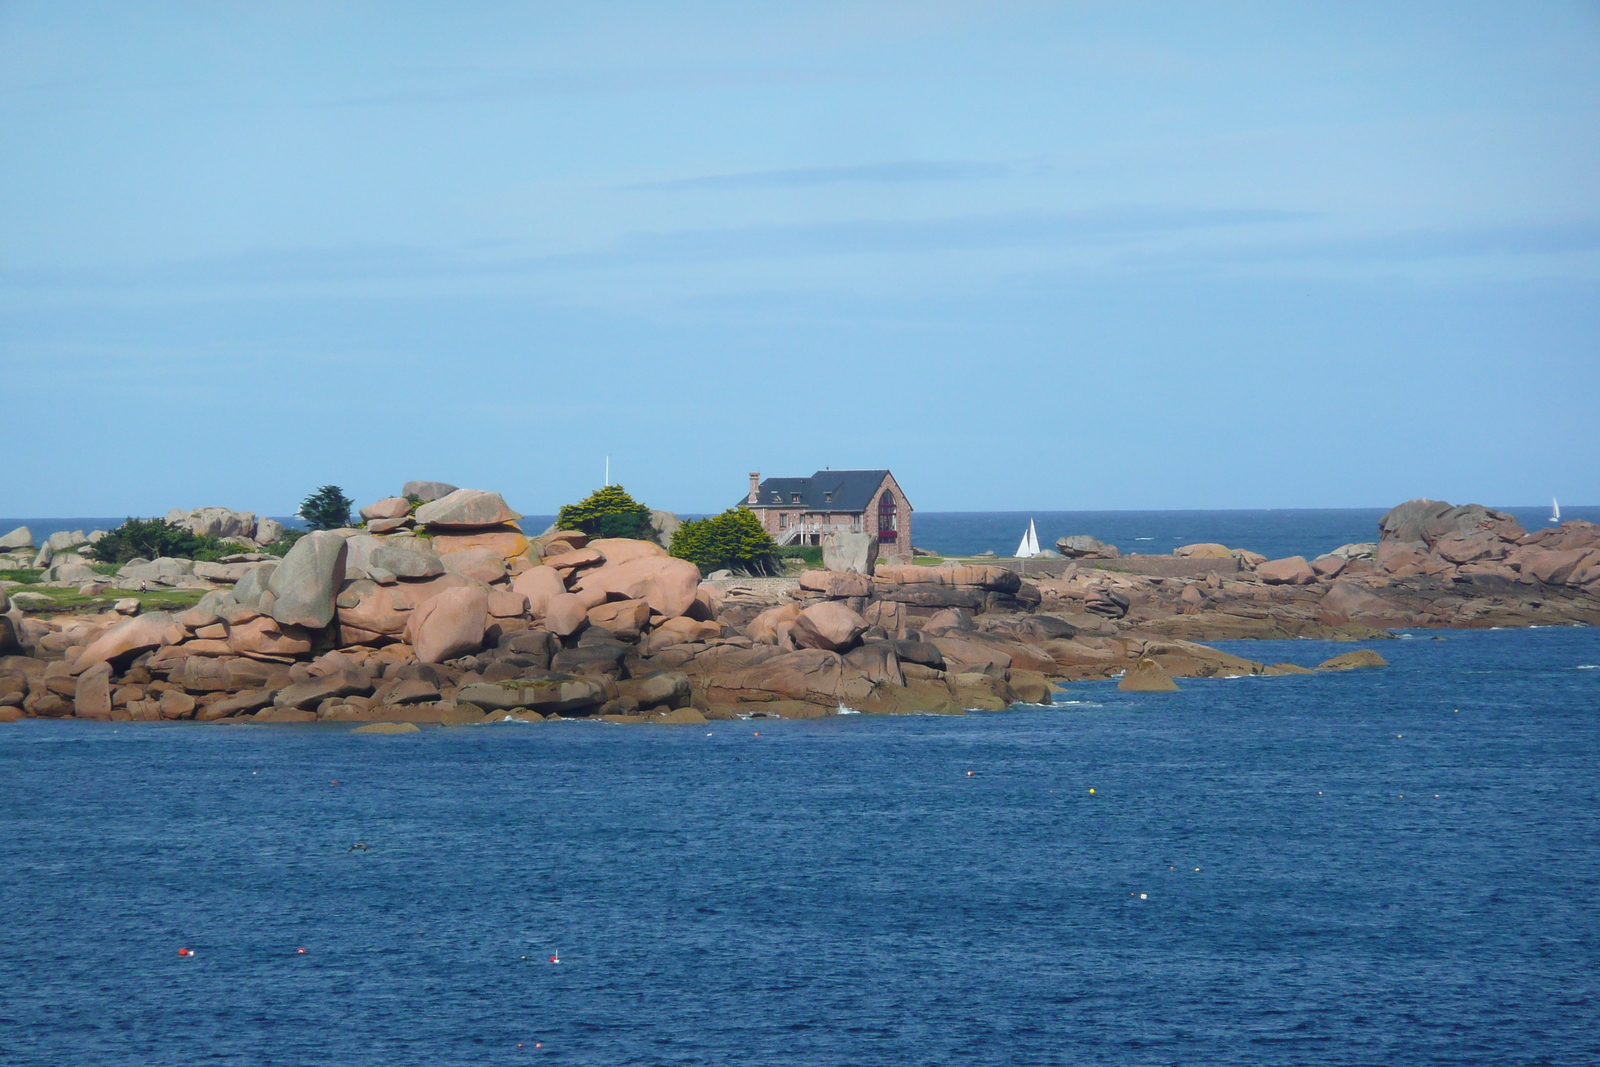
[1028,255]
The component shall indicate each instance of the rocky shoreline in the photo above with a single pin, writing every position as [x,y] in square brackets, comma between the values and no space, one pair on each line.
[449,613]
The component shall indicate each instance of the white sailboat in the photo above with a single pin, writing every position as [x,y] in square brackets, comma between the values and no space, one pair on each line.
[1555,510]
[1029,548]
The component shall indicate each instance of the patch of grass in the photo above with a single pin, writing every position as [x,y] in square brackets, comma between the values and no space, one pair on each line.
[928,561]
[150,600]
[26,577]
[810,555]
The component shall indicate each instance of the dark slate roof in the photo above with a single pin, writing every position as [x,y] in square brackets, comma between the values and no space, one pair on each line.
[852,490]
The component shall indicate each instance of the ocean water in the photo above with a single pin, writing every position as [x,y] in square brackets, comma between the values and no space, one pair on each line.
[1305,532]
[1396,866]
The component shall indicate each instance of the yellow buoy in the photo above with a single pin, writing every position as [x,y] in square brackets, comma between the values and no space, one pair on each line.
[1091,790]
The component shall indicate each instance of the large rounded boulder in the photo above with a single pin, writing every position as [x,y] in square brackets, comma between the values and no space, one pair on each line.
[465,509]
[449,625]
[830,626]
[305,588]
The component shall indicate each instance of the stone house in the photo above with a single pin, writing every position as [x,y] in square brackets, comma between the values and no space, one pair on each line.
[798,511]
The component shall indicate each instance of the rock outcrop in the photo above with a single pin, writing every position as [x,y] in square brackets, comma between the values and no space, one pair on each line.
[455,616]
[1082,546]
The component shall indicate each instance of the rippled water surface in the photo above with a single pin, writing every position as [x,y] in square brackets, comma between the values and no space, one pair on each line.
[1396,866]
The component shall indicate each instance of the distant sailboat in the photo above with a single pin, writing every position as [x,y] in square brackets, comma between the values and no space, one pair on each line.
[1029,548]
[1555,510]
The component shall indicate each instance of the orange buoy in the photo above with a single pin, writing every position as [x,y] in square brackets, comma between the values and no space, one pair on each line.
[185,952]
[555,959]
[299,952]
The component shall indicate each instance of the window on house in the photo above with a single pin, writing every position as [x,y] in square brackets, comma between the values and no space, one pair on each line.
[827,498]
[794,498]
[777,498]
[783,521]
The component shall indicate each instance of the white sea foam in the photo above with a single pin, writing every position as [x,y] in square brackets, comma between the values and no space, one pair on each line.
[1589,666]
[847,711]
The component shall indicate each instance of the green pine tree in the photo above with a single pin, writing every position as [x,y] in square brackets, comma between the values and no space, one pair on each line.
[327,509]
[608,512]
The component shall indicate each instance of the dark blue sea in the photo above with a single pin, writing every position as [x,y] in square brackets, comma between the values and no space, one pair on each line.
[1278,533]
[1397,866]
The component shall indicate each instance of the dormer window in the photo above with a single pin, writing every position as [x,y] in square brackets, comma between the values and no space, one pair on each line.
[827,498]
[794,498]
[777,498]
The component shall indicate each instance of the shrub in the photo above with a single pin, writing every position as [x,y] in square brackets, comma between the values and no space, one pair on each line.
[608,512]
[326,509]
[733,540]
[151,538]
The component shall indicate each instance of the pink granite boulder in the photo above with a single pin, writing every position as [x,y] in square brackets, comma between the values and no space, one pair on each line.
[830,626]
[449,625]
[1291,571]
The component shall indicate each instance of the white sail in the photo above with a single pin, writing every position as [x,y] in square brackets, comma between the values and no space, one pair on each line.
[1555,510]
[1029,548]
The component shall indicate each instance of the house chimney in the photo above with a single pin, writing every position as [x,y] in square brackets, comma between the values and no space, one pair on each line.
[755,487]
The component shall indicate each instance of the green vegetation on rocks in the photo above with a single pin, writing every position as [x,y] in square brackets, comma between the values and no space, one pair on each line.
[733,540]
[608,512]
[154,538]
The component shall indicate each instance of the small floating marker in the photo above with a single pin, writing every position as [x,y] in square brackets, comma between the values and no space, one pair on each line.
[299,952]
[972,774]
[1091,789]
[538,1044]
[335,782]
[1142,896]
[555,959]
[185,952]
[1197,868]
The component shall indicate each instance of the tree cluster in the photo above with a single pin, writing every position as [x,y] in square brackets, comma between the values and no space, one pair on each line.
[153,538]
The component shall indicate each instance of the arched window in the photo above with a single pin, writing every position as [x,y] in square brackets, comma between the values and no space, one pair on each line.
[887,518]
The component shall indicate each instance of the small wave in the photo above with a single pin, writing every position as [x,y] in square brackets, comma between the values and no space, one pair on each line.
[847,711]
[1589,667]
